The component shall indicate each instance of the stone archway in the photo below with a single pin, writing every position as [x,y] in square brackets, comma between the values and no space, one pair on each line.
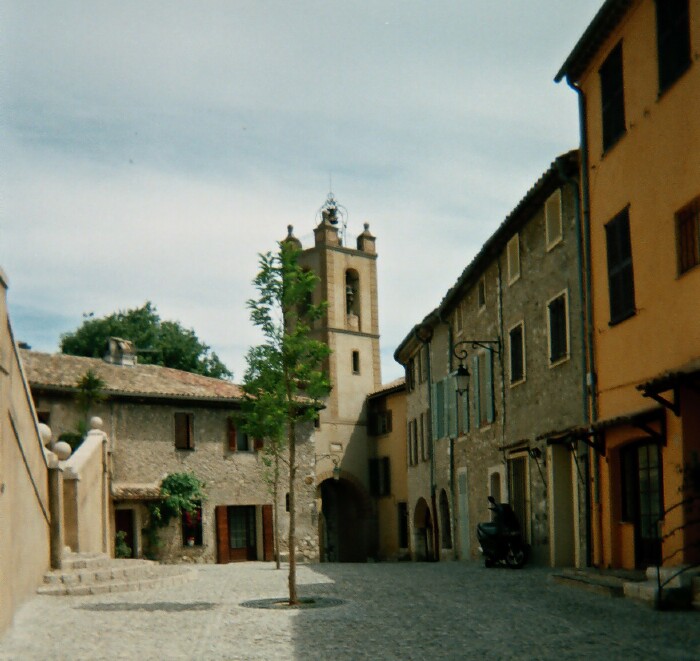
[344,521]
[423,531]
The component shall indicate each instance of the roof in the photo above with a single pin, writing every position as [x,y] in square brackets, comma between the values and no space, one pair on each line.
[600,28]
[565,165]
[393,386]
[62,372]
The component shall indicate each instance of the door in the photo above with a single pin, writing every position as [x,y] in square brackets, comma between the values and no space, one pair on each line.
[124,522]
[242,533]
[519,492]
[641,500]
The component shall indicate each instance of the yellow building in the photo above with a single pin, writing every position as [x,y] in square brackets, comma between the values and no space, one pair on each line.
[387,468]
[636,72]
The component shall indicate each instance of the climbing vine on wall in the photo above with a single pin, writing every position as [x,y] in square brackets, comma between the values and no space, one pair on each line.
[180,492]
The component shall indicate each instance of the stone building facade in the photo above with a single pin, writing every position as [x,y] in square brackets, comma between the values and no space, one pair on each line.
[348,283]
[514,320]
[161,421]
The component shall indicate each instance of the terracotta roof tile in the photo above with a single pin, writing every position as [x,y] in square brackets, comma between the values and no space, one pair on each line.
[61,371]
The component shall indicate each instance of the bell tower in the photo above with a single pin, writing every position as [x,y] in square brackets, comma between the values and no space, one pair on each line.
[348,282]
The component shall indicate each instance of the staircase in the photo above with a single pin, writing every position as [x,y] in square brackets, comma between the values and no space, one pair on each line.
[96,573]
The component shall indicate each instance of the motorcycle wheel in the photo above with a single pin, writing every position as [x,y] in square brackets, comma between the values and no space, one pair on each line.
[489,562]
[516,556]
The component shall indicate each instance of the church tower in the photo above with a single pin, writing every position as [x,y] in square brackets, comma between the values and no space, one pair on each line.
[348,282]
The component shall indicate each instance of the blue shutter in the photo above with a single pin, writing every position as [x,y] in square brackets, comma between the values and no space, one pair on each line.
[489,387]
[477,395]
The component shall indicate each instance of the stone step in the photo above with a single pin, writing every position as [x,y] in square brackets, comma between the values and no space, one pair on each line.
[609,583]
[85,561]
[99,574]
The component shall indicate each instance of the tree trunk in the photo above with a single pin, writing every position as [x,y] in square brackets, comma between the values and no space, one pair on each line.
[293,600]
[275,510]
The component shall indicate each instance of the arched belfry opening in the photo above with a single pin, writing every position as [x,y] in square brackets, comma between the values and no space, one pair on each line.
[352,299]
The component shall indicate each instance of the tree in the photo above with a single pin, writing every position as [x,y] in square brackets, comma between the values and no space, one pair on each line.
[285,379]
[90,391]
[158,342]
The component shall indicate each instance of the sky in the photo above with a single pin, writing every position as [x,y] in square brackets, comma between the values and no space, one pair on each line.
[151,149]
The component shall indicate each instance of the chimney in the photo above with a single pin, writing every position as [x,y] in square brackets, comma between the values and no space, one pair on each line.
[120,352]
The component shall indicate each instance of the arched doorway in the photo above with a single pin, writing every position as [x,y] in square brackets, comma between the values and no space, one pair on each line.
[343,522]
[423,531]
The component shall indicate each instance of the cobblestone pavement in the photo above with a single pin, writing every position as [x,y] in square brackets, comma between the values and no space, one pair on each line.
[389,611]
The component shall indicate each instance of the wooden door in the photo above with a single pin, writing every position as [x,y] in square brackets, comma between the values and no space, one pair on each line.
[242,533]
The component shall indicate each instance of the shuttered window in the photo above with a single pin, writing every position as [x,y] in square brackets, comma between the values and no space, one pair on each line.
[184,431]
[612,96]
[673,40]
[380,477]
[553,220]
[688,230]
[482,364]
[517,354]
[620,273]
[513,255]
[557,320]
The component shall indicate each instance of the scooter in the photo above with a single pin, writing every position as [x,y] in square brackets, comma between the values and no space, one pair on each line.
[500,540]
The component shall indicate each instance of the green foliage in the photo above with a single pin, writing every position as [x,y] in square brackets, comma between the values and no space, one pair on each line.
[121,548]
[285,378]
[159,342]
[180,492]
[90,391]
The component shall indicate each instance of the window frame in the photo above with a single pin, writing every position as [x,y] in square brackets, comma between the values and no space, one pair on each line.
[558,360]
[188,527]
[523,376]
[355,361]
[481,294]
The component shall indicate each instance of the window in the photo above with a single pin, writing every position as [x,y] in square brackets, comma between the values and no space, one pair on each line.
[481,294]
[352,293]
[439,404]
[464,399]
[482,376]
[513,255]
[620,274]
[414,440]
[558,326]
[402,512]
[355,362]
[379,477]
[44,417]
[688,232]
[192,527]
[673,40]
[459,321]
[517,354]
[411,375]
[423,363]
[380,421]
[552,220]
[238,440]
[184,436]
[421,434]
[612,98]
[445,523]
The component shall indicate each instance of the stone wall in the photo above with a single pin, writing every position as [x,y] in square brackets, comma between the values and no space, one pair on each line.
[24,498]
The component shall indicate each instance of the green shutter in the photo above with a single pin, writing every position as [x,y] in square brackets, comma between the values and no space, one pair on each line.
[477,394]
[489,387]
[465,410]
[451,395]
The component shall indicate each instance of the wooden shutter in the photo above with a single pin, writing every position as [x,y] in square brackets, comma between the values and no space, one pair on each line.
[222,544]
[374,477]
[552,219]
[513,253]
[386,477]
[434,411]
[268,534]
[183,431]
[258,444]
[232,436]
[465,410]
[620,272]
[388,421]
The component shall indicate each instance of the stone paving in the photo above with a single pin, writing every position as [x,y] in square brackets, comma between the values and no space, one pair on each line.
[389,611]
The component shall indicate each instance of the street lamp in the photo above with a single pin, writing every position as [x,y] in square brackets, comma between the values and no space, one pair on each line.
[461,374]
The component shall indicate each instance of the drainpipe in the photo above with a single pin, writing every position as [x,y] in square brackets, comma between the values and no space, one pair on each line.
[590,375]
[573,183]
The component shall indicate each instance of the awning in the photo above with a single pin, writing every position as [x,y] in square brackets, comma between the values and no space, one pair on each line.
[687,375]
[135,491]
